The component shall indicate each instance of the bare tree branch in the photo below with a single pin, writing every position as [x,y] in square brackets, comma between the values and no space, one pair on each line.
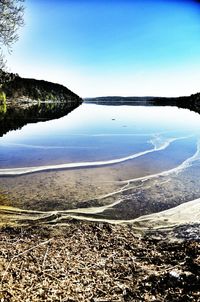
[11,19]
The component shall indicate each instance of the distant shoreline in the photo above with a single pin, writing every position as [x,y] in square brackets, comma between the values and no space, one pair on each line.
[188,102]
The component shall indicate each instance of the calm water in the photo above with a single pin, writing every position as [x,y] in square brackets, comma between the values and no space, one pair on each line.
[97,133]
[116,162]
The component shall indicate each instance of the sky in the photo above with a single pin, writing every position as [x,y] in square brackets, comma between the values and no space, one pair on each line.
[111,47]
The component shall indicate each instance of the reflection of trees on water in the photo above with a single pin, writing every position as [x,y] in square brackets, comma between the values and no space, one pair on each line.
[14,117]
[3,107]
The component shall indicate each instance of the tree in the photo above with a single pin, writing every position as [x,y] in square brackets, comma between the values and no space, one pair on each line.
[11,19]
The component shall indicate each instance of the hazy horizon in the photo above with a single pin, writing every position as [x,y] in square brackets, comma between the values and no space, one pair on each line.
[111,48]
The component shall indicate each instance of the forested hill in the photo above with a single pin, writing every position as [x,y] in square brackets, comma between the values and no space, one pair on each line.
[25,101]
[38,90]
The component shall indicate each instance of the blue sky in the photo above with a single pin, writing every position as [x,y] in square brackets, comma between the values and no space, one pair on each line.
[113,47]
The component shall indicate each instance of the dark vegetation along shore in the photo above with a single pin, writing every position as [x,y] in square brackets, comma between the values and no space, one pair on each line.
[189,102]
[27,100]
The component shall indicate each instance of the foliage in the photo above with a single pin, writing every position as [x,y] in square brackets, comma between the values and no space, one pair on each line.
[6,77]
[11,12]
[2,102]
[38,90]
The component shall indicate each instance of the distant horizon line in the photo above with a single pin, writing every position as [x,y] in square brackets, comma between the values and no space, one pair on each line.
[102,96]
[136,96]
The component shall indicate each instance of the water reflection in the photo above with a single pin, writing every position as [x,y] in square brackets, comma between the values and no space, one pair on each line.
[92,133]
[15,117]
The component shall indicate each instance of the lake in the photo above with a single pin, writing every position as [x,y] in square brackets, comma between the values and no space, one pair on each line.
[105,163]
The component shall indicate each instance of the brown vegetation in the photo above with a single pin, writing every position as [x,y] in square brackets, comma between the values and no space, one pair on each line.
[97,262]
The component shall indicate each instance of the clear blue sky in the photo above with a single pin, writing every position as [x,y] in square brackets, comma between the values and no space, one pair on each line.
[112,47]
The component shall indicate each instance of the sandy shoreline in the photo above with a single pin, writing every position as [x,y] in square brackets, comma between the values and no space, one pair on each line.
[187,213]
[157,146]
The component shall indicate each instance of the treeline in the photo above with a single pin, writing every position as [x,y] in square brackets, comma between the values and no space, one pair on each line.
[190,102]
[131,100]
[119,99]
[38,90]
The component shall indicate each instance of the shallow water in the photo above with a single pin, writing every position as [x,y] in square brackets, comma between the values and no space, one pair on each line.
[101,162]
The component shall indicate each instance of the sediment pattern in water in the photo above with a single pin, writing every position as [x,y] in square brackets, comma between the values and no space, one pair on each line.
[171,196]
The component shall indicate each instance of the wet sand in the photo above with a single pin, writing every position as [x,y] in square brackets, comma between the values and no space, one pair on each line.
[128,188]
[126,203]
[67,189]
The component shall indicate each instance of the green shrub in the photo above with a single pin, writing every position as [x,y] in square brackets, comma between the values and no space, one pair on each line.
[3,107]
